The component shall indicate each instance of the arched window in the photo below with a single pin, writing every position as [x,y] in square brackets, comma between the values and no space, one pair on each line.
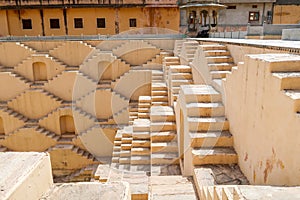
[215,18]
[1,127]
[39,71]
[204,17]
[67,125]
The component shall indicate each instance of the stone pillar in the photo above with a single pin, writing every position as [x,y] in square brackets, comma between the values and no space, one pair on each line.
[198,18]
[210,18]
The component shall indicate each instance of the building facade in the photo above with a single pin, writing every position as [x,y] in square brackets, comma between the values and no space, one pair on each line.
[287,12]
[227,14]
[47,18]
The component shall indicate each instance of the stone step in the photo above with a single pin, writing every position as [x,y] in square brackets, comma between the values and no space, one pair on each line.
[115,159]
[219,74]
[144,115]
[158,87]
[157,81]
[217,53]
[141,143]
[158,77]
[140,151]
[144,105]
[125,153]
[160,103]
[205,109]
[162,114]
[117,143]
[220,66]
[116,153]
[169,63]
[159,93]
[295,96]
[181,76]
[141,135]
[171,58]
[143,110]
[211,139]
[116,148]
[131,118]
[219,59]
[159,98]
[177,83]
[170,147]
[200,93]
[140,160]
[125,160]
[207,124]
[164,159]
[162,126]
[141,125]
[157,72]
[213,47]
[180,69]
[163,136]
[126,140]
[204,156]
[289,80]
[144,99]
[125,146]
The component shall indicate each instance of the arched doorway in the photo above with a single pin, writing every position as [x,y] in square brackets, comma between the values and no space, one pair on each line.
[2,132]
[67,126]
[39,71]
[192,21]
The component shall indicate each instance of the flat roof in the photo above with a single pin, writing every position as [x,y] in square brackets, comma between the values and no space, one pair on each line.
[272,44]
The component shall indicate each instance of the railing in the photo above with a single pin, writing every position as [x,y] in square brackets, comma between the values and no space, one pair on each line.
[81,2]
[93,37]
[231,34]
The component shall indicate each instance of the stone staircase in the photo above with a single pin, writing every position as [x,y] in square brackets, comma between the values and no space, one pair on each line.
[164,147]
[187,53]
[126,145]
[210,141]
[219,62]
[159,91]
[133,111]
[209,129]
[144,107]
[178,75]
[167,62]
[140,152]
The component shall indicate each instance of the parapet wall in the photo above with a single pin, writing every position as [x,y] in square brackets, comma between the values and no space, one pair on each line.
[263,119]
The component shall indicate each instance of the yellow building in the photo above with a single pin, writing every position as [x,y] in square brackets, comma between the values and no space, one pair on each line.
[52,18]
[286,12]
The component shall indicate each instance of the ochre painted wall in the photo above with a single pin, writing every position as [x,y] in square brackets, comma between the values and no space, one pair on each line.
[3,23]
[116,20]
[15,22]
[54,14]
[286,14]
